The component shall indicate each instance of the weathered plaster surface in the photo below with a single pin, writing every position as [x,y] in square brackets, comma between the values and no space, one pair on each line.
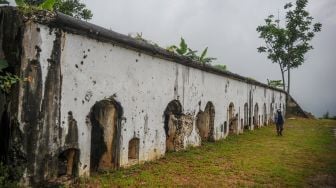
[144,85]
[70,73]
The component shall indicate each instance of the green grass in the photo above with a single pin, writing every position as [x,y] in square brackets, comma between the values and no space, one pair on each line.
[304,156]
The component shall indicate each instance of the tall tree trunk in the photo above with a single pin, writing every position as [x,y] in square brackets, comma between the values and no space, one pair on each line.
[288,86]
[283,77]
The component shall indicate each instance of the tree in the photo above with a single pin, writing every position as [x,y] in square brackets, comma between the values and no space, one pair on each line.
[4,2]
[69,7]
[73,8]
[286,45]
[326,115]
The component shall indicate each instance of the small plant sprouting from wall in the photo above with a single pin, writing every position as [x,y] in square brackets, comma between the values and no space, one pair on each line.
[139,37]
[275,83]
[220,67]
[7,80]
[183,50]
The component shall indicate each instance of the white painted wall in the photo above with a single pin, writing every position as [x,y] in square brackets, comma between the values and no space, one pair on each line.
[144,85]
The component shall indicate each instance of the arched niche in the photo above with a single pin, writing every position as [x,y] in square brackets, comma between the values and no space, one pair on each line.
[177,126]
[105,117]
[233,120]
[68,161]
[133,150]
[265,115]
[205,122]
[256,116]
[172,114]
[246,122]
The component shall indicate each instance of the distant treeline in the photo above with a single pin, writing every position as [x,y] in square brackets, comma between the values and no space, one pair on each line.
[327,116]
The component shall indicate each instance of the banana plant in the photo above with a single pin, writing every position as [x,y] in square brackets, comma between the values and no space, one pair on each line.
[205,60]
[48,5]
[183,50]
[192,54]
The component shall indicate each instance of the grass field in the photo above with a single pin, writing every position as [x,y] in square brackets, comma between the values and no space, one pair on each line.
[304,156]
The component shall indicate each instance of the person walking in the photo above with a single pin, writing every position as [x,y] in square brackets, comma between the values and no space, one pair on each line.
[279,122]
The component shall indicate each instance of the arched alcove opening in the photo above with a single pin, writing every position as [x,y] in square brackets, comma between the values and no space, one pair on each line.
[68,161]
[241,124]
[265,115]
[246,123]
[172,114]
[259,121]
[133,150]
[233,120]
[105,119]
[225,127]
[256,116]
[271,112]
[205,122]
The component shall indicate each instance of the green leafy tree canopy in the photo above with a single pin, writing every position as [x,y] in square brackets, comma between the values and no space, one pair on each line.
[72,8]
[4,2]
[286,44]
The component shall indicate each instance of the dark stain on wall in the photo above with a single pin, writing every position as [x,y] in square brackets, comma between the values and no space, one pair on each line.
[71,138]
[11,34]
[39,113]
[97,139]
[49,124]
[4,131]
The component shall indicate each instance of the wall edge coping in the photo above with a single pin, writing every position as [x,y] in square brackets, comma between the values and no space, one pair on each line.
[80,27]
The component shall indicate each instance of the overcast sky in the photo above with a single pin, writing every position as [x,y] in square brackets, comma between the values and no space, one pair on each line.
[228,28]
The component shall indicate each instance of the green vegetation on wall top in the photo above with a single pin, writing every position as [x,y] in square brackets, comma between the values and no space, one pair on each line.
[185,51]
[69,7]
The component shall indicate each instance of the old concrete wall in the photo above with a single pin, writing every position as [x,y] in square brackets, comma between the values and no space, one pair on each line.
[75,71]
[144,86]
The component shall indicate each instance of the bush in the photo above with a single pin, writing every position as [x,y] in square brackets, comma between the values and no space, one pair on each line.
[5,180]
